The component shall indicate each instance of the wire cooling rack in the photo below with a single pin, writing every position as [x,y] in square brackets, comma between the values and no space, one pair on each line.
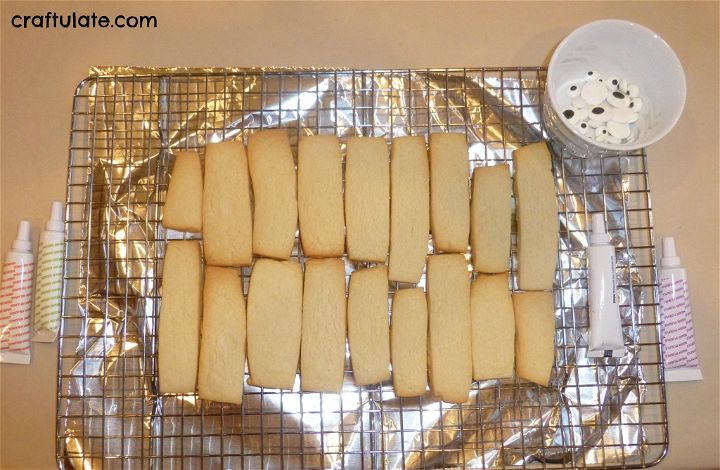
[126,123]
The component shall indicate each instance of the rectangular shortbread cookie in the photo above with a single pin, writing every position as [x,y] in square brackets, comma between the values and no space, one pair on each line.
[537,217]
[493,327]
[491,218]
[274,183]
[322,349]
[449,192]
[409,209]
[368,325]
[180,311]
[320,196]
[183,205]
[449,343]
[367,198]
[408,340]
[534,335]
[227,215]
[274,323]
[221,372]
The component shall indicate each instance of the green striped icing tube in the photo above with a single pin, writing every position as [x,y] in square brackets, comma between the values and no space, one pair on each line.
[48,283]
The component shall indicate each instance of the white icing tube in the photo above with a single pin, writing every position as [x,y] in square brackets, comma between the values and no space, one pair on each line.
[606,337]
[16,299]
[678,334]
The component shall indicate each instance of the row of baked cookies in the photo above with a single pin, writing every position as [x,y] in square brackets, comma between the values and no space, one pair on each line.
[293,318]
[390,202]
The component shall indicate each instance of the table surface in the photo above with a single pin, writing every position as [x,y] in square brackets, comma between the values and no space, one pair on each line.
[40,69]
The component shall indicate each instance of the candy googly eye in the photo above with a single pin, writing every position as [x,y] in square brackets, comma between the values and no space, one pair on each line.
[618,130]
[573,91]
[612,83]
[591,74]
[599,114]
[636,105]
[633,91]
[584,128]
[601,131]
[625,115]
[618,100]
[575,115]
[593,92]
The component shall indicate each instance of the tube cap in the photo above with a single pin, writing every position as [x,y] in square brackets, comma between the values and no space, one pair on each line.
[669,259]
[599,235]
[22,241]
[55,223]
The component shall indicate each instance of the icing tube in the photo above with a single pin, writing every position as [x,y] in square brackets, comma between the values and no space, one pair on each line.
[678,335]
[606,337]
[16,299]
[48,282]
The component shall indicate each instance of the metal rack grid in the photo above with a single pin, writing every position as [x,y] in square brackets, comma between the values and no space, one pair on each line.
[125,125]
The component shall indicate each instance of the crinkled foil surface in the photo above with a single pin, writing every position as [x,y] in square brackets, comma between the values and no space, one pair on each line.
[126,124]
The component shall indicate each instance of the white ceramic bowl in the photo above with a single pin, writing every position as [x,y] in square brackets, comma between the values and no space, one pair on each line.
[623,49]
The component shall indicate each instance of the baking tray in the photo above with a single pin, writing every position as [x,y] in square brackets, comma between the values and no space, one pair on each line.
[126,123]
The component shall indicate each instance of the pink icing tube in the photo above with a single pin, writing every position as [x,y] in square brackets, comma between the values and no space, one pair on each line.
[678,335]
[16,299]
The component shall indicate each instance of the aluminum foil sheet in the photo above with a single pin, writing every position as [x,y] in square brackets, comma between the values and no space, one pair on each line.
[126,124]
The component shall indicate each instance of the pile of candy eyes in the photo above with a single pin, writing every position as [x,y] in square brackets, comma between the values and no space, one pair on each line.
[603,107]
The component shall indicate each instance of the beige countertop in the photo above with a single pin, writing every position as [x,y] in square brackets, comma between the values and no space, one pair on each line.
[40,69]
